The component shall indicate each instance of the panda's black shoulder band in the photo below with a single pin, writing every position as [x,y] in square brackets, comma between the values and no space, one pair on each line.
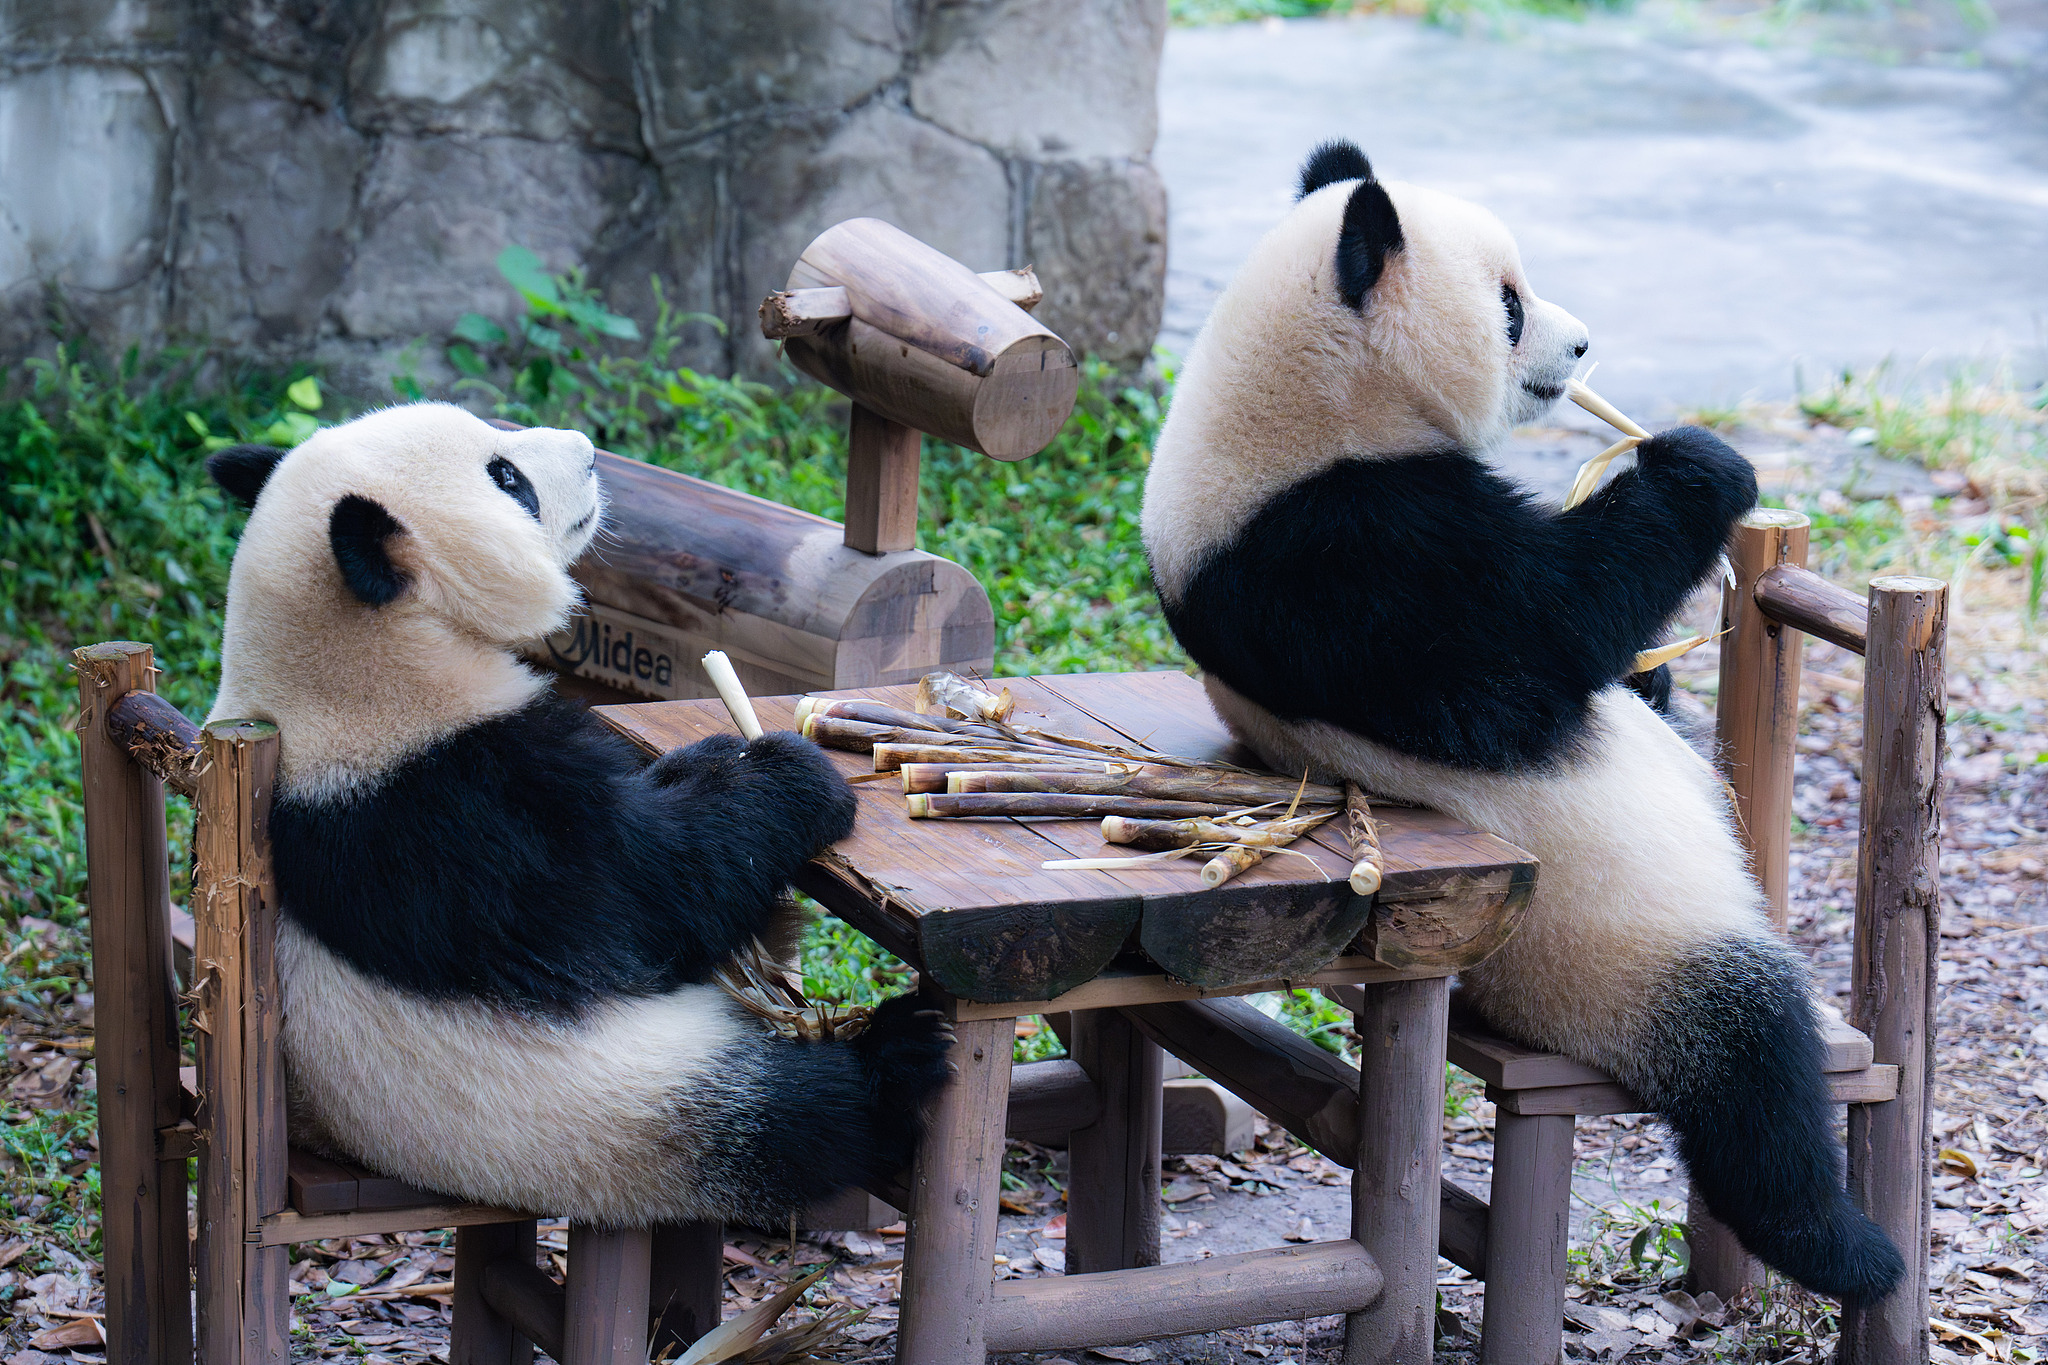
[1371,233]
[1332,161]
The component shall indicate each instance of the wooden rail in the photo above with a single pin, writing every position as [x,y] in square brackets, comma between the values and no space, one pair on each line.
[1799,598]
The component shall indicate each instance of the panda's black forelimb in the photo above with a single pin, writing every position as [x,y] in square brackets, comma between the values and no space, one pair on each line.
[1732,1058]
[1653,687]
[1430,605]
[531,862]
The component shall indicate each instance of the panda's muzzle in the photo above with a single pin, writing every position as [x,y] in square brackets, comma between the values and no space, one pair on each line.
[1549,393]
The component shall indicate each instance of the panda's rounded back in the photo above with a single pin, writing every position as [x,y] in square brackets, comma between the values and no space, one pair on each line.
[472,568]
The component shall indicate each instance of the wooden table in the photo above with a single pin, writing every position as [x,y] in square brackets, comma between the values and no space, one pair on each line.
[1140,957]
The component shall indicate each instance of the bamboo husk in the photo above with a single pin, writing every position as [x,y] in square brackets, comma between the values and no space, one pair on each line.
[762,987]
[891,756]
[1588,477]
[933,805]
[949,694]
[1159,835]
[727,682]
[937,777]
[1664,654]
[1363,834]
[740,1337]
[1633,435]
[1182,785]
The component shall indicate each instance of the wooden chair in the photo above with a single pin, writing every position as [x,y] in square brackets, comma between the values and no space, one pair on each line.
[258,1196]
[1880,1067]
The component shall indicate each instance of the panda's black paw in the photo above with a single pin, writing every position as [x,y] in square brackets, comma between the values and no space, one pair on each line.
[710,765]
[809,789]
[903,1050]
[1704,464]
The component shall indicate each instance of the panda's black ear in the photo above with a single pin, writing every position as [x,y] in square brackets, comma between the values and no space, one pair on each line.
[359,530]
[1371,233]
[1337,159]
[241,471]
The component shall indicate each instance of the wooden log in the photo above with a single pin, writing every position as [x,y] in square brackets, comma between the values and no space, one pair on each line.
[605,1315]
[243,1178]
[805,312]
[1756,724]
[949,1259]
[149,1314]
[1220,788]
[688,566]
[1453,921]
[881,483]
[481,1335]
[525,1296]
[290,1227]
[1113,1181]
[1794,596]
[1051,1097]
[942,805]
[1461,1228]
[1229,938]
[1898,947]
[931,345]
[686,1285]
[1528,1233]
[157,736]
[1395,1184]
[1280,1284]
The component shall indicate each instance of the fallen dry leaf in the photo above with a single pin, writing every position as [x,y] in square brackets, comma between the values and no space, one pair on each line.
[77,1332]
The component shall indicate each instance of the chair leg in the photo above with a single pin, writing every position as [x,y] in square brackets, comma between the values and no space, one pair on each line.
[1528,1228]
[1402,1028]
[949,1260]
[1113,1187]
[481,1335]
[606,1318]
[686,1289]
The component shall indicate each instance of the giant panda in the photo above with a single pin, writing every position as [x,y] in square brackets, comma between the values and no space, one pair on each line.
[1368,599]
[498,931]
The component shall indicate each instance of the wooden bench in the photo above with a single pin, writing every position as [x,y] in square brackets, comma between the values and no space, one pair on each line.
[1140,958]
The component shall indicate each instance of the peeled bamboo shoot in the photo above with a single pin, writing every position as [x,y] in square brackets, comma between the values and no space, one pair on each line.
[929,805]
[1184,785]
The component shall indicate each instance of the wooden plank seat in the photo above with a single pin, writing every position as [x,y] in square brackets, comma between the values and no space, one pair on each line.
[995,936]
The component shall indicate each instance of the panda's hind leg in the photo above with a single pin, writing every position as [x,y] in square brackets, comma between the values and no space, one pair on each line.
[1732,1057]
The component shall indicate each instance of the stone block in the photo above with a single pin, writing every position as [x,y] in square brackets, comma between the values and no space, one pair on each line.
[1044,79]
[705,67]
[1096,233]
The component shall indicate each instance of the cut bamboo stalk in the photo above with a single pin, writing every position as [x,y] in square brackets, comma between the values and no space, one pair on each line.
[891,756]
[1232,861]
[1363,833]
[1181,785]
[880,713]
[1157,836]
[939,777]
[925,806]
[720,670]
[861,736]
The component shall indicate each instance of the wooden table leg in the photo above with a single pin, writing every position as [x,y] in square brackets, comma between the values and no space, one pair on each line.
[686,1285]
[949,1259]
[1113,1182]
[606,1318]
[481,1335]
[1402,1028]
[1528,1230]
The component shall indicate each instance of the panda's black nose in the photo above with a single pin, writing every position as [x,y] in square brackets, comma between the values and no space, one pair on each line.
[1579,350]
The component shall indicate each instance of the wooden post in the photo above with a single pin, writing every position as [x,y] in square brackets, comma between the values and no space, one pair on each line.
[1756,728]
[1402,1030]
[949,1260]
[481,1335]
[881,483]
[149,1307]
[244,1302]
[1528,1232]
[1898,946]
[1113,1182]
[606,1318]
[686,1286]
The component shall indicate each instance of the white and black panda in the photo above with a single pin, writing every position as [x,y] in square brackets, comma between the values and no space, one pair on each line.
[1368,598]
[498,929]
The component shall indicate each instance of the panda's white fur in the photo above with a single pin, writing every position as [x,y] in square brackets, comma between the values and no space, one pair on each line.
[498,931]
[1326,536]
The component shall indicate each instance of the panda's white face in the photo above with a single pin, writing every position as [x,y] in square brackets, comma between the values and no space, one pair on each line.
[1448,347]
[390,568]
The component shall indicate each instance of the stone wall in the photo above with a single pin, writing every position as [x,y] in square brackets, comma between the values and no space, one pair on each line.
[335,178]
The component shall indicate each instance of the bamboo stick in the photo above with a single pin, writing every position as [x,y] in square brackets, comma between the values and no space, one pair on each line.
[937,777]
[1363,833]
[720,670]
[1157,836]
[1183,785]
[890,756]
[880,713]
[932,805]
[861,736]
[1231,861]
[1592,402]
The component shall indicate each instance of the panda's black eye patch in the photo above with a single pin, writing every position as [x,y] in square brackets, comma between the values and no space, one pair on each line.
[516,485]
[1513,301]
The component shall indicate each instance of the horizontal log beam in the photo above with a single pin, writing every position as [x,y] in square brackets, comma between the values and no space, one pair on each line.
[283,1229]
[1461,1228]
[1051,1097]
[522,1293]
[804,312]
[157,735]
[1118,1307]
[1803,600]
